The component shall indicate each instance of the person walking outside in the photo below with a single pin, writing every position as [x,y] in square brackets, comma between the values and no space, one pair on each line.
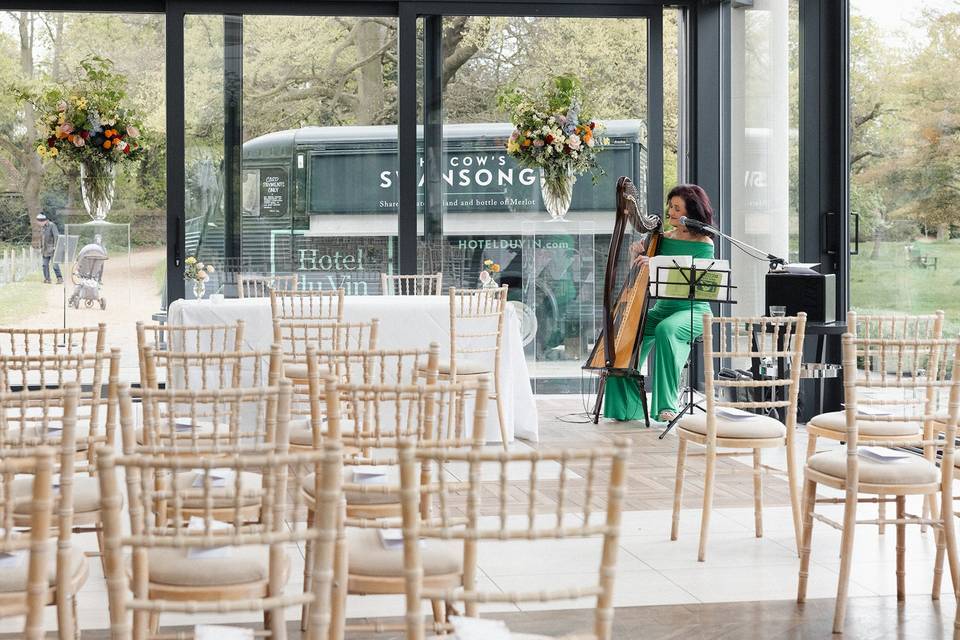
[48,244]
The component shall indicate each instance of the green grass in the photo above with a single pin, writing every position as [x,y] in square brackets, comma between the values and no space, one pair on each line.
[886,284]
[160,277]
[20,300]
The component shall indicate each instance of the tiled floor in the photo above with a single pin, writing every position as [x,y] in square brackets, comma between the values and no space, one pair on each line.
[659,584]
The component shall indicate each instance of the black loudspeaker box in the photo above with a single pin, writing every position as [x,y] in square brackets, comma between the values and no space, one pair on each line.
[814,293]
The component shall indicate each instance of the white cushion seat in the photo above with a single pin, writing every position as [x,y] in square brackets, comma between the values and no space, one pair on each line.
[361,497]
[465,366]
[368,556]
[837,421]
[81,433]
[14,578]
[241,565]
[86,494]
[913,470]
[222,496]
[751,428]
[298,370]
[301,433]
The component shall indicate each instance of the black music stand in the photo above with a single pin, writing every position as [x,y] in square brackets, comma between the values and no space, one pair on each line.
[697,291]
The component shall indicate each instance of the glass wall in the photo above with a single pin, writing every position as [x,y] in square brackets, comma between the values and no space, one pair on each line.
[60,107]
[291,164]
[764,149]
[904,157]
[492,208]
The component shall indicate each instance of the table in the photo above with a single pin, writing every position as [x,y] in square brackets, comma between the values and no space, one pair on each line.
[405,322]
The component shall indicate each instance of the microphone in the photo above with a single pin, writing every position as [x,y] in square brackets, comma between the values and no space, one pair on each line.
[690,223]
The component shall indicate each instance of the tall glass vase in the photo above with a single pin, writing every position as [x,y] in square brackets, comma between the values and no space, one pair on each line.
[97,182]
[199,288]
[556,187]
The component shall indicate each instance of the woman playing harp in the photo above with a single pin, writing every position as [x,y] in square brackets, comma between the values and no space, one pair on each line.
[667,324]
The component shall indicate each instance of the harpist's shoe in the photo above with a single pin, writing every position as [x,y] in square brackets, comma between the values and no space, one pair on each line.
[666,416]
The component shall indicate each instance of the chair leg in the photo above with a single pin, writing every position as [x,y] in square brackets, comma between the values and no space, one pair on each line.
[66,621]
[308,551]
[950,535]
[154,624]
[882,514]
[793,486]
[938,562]
[439,611]
[757,494]
[76,617]
[846,557]
[501,418]
[707,500]
[678,487]
[811,444]
[338,591]
[809,503]
[901,547]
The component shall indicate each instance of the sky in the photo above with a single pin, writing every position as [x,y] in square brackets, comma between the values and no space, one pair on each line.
[895,16]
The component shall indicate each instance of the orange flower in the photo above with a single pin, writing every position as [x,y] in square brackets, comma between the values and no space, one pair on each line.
[107,144]
[525,143]
[495,268]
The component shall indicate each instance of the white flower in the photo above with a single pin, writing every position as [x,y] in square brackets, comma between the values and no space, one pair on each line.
[484,277]
[209,268]
[574,142]
[202,275]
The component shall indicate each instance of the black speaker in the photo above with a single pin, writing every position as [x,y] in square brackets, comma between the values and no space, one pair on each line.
[814,293]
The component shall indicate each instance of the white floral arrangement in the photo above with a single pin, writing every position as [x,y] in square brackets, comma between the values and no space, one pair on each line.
[196,270]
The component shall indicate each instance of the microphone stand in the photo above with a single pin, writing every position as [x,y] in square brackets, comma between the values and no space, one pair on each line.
[774,261]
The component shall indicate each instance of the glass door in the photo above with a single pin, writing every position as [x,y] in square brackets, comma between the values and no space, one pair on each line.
[904,153]
[291,136]
[482,209]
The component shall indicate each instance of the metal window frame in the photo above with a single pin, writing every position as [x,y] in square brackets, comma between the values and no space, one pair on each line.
[704,84]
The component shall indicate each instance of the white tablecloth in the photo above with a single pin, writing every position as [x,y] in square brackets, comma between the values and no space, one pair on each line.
[405,322]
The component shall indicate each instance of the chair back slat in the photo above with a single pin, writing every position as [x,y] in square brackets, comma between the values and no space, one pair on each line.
[476,326]
[53,341]
[307,305]
[259,286]
[411,285]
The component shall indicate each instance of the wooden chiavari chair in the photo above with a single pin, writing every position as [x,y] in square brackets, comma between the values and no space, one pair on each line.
[31,420]
[476,341]
[98,377]
[878,376]
[781,340]
[259,286]
[383,416]
[833,424]
[416,285]
[214,560]
[24,587]
[208,422]
[53,341]
[432,513]
[183,338]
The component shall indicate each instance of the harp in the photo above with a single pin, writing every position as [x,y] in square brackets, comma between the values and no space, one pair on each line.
[616,349]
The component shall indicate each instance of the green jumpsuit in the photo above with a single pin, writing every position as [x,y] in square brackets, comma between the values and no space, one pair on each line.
[668,328]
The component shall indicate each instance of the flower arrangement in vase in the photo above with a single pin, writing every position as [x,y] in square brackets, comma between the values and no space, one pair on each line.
[556,135]
[198,273]
[488,275]
[90,124]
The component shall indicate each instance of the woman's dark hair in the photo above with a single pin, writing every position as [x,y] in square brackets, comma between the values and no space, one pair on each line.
[696,200]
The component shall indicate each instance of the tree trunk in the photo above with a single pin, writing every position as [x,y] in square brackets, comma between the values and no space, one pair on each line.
[29,160]
[943,232]
[877,236]
[371,95]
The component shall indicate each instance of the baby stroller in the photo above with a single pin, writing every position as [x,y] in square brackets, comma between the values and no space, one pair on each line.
[87,275]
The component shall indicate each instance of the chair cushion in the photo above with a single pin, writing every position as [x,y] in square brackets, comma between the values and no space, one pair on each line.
[222,496]
[368,556]
[201,427]
[837,421]
[360,497]
[913,470]
[14,579]
[86,494]
[465,366]
[298,370]
[241,566]
[301,433]
[759,427]
[81,433]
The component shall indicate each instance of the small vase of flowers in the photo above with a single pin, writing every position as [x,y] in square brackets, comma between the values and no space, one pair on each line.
[198,273]
[488,275]
[554,134]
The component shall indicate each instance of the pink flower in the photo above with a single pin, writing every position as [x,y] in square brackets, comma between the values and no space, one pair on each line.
[538,142]
[66,128]
[132,131]
[78,141]
[574,142]
[62,105]
[514,135]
